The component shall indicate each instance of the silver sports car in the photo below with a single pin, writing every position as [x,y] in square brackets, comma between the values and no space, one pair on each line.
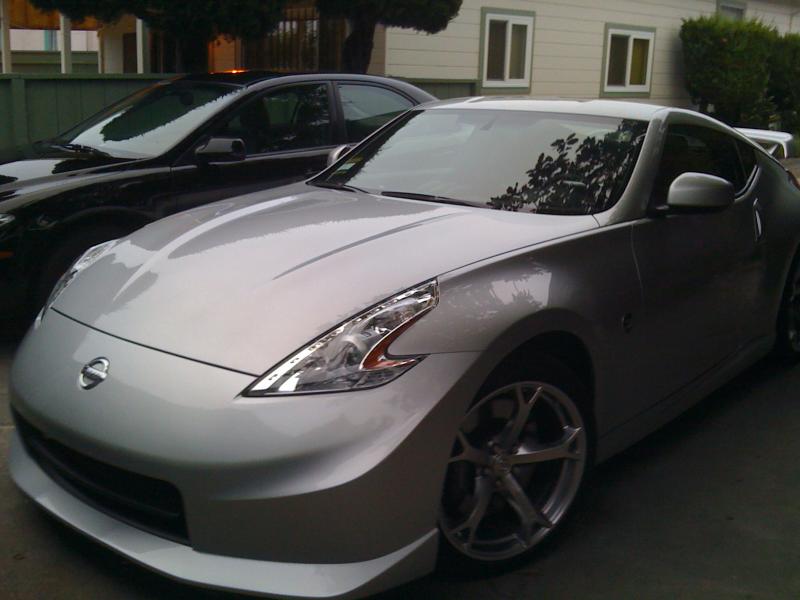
[314,392]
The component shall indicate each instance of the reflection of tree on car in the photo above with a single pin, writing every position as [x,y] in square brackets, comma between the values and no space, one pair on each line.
[578,176]
[578,165]
[159,109]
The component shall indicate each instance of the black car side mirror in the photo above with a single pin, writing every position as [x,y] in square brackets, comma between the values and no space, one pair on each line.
[698,192]
[221,150]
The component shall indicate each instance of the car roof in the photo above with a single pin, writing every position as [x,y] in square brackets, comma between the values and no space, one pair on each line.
[258,79]
[241,77]
[600,108]
[245,77]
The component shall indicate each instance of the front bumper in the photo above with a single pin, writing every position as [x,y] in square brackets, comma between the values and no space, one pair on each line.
[222,572]
[328,495]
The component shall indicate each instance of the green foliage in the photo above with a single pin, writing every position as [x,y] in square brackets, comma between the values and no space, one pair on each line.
[199,19]
[784,85]
[105,10]
[727,65]
[363,16]
[424,15]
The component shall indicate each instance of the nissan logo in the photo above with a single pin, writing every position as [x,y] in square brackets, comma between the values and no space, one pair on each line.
[93,373]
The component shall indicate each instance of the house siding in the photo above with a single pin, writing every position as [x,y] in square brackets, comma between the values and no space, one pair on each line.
[567,44]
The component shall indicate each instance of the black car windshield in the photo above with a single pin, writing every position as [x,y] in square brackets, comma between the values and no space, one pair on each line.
[510,160]
[150,122]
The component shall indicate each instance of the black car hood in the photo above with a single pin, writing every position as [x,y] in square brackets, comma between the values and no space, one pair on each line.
[32,169]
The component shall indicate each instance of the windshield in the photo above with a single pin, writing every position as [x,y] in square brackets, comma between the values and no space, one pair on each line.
[509,160]
[150,122]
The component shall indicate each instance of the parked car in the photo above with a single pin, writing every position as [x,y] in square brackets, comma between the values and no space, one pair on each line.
[305,392]
[178,144]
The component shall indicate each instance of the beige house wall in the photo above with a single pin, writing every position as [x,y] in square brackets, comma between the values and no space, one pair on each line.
[377,65]
[568,41]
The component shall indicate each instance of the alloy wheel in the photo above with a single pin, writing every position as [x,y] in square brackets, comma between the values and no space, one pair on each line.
[516,466]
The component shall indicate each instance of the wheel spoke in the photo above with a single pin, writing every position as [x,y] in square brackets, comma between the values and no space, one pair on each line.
[511,436]
[469,453]
[528,514]
[560,450]
[484,489]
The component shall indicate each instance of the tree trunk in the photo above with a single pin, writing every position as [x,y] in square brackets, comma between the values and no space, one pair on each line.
[357,50]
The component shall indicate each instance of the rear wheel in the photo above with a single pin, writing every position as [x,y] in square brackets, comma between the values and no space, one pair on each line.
[519,460]
[788,333]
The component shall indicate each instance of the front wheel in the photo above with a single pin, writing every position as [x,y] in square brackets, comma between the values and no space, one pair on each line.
[518,462]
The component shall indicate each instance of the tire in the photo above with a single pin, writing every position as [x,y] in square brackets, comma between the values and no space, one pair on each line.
[496,510]
[787,342]
[67,252]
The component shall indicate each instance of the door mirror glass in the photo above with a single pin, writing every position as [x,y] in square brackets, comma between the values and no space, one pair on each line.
[700,192]
[221,150]
[337,153]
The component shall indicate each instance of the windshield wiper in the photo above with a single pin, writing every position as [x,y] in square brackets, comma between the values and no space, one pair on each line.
[337,186]
[427,198]
[80,148]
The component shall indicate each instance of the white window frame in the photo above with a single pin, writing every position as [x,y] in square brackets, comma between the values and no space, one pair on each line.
[632,34]
[511,20]
[736,5]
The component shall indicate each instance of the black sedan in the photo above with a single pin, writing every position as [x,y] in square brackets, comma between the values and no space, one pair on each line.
[181,143]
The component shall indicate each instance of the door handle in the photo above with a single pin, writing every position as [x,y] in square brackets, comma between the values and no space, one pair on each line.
[758,221]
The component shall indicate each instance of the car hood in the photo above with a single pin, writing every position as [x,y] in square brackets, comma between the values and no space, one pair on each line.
[242,284]
[51,169]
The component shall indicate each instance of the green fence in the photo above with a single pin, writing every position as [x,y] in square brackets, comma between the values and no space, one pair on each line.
[49,61]
[37,106]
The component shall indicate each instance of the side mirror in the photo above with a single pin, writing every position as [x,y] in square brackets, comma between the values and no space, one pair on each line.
[221,150]
[700,192]
[338,152]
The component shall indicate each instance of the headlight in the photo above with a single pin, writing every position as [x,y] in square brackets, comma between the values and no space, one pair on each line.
[354,355]
[87,259]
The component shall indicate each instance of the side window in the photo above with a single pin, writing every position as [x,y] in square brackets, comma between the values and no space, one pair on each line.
[367,108]
[748,157]
[697,149]
[291,118]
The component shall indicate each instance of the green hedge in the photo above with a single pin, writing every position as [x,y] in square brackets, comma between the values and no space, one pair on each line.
[784,85]
[727,66]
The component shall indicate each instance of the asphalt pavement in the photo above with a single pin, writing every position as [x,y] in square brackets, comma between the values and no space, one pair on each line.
[707,507]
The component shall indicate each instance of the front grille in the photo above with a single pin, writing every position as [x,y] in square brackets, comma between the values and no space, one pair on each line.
[143,502]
